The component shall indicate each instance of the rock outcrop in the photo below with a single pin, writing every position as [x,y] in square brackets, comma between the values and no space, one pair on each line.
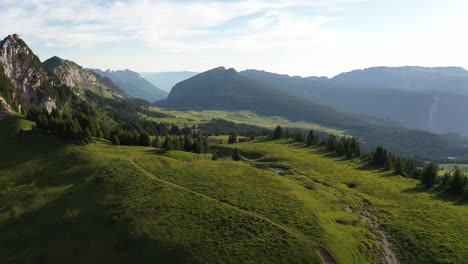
[81,79]
[23,77]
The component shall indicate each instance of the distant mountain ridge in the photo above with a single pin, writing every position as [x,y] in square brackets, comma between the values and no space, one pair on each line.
[412,78]
[167,80]
[227,89]
[134,84]
[426,110]
[222,88]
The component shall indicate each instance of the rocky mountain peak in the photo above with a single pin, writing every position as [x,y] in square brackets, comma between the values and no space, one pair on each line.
[23,71]
[81,79]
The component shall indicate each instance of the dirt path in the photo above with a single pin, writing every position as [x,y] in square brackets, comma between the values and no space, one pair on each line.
[388,255]
[326,257]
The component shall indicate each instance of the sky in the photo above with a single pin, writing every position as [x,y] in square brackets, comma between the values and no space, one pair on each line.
[296,37]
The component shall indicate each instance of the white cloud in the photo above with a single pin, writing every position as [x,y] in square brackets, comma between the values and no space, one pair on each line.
[161,24]
[290,36]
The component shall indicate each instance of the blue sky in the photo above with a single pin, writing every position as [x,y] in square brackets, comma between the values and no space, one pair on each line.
[297,37]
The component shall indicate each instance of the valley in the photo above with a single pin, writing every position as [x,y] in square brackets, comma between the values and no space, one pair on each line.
[228,167]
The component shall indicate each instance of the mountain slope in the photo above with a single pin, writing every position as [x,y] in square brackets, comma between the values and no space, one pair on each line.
[225,89]
[135,85]
[167,80]
[119,204]
[426,110]
[81,79]
[221,89]
[441,79]
[23,80]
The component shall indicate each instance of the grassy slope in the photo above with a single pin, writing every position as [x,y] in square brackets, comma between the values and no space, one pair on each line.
[101,202]
[88,204]
[451,168]
[425,226]
[196,117]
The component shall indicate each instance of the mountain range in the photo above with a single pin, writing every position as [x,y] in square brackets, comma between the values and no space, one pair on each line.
[134,84]
[227,89]
[432,109]
[57,83]
[167,80]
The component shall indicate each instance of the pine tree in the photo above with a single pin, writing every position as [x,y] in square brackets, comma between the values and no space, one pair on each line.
[388,164]
[156,142]
[310,138]
[357,150]
[206,146]
[398,166]
[187,143]
[145,139]
[458,182]
[88,136]
[331,143]
[236,155]
[232,138]
[429,174]
[115,140]
[167,145]
[379,157]
[278,133]
[349,154]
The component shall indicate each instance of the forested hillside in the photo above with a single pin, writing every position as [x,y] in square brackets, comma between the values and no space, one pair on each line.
[226,89]
[422,108]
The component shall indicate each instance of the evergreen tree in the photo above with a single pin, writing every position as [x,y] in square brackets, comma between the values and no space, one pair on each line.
[236,155]
[156,142]
[357,150]
[145,139]
[331,143]
[458,182]
[349,154]
[310,138]
[206,146]
[88,136]
[196,146]
[115,140]
[379,157]
[445,180]
[232,138]
[410,168]
[187,143]
[167,145]
[278,133]
[429,174]
[299,137]
[388,164]
[398,166]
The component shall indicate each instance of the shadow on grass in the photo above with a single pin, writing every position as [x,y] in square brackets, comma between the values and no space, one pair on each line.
[63,229]
[439,194]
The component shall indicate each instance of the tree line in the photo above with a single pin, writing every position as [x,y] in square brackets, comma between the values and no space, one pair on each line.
[426,173]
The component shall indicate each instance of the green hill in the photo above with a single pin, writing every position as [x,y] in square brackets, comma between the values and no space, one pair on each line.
[105,203]
[225,89]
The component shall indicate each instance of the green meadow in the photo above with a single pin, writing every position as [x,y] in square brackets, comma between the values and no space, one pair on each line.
[195,117]
[101,203]
[451,168]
